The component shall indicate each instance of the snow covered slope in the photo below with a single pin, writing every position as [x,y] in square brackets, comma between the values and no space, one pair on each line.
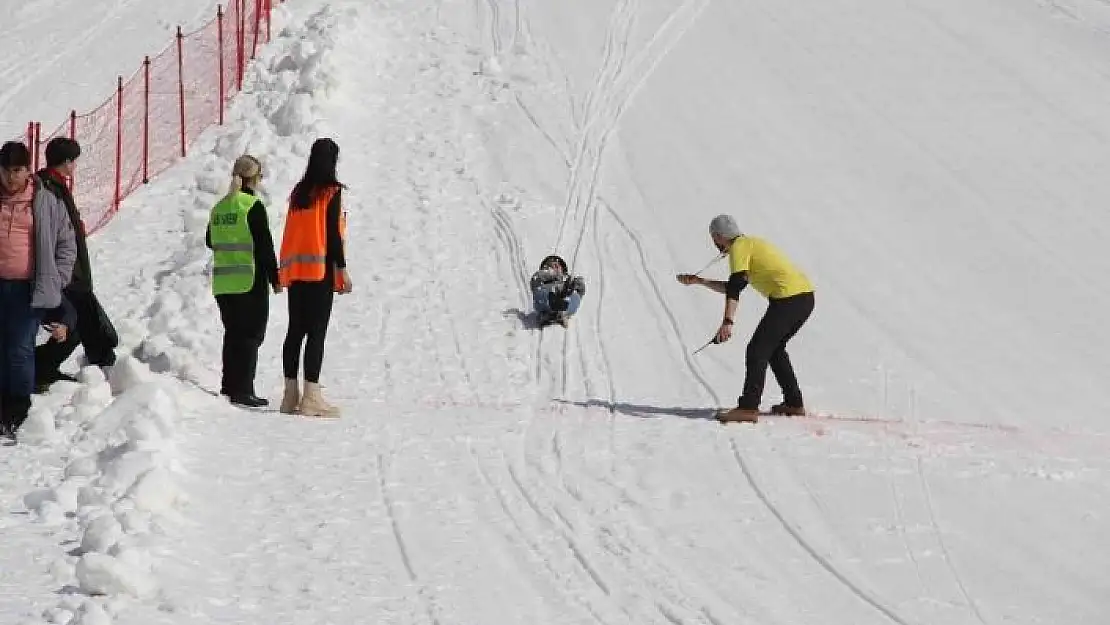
[66,54]
[930,165]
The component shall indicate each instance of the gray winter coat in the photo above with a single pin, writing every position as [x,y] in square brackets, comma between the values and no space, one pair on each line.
[553,282]
[55,248]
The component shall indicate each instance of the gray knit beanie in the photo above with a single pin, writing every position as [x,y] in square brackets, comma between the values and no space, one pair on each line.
[725,226]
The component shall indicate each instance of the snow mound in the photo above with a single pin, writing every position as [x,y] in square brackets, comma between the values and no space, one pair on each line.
[118,495]
[126,495]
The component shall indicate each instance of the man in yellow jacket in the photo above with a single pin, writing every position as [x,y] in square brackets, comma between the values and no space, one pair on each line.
[755,261]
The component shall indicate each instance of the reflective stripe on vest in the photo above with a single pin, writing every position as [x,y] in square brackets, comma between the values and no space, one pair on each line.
[303,259]
[304,244]
[233,270]
[232,245]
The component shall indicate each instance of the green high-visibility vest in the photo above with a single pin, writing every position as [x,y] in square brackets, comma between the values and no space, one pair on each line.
[232,245]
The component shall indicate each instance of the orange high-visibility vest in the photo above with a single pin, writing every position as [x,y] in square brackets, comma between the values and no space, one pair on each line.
[304,244]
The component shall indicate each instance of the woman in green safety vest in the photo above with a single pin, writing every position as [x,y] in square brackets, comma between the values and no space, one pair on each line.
[244,268]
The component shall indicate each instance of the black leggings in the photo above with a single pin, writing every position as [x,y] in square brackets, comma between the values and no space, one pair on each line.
[309,314]
[244,317]
[783,319]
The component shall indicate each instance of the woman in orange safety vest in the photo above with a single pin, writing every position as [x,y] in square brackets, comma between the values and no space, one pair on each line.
[312,266]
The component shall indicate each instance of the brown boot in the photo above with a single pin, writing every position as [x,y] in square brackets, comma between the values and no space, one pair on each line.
[313,404]
[291,399]
[789,411]
[739,415]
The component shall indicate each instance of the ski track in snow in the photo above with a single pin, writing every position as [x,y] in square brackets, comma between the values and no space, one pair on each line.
[805,544]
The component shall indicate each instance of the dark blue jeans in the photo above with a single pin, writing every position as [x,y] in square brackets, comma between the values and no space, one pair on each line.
[19,323]
[542,304]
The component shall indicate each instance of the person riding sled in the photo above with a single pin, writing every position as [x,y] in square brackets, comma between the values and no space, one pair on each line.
[790,295]
[556,295]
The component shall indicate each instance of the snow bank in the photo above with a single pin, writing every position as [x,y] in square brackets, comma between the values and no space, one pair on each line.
[117,496]
[275,119]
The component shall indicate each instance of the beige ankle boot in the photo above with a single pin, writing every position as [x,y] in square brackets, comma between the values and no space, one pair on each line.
[291,400]
[313,404]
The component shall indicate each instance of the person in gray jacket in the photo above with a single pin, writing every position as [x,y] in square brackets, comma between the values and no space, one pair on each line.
[37,254]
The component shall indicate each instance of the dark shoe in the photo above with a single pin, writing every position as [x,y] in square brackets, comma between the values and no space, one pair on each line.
[43,381]
[7,432]
[105,360]
[15,411]
[545,318]
[787,410]
[46,377]
[249,400]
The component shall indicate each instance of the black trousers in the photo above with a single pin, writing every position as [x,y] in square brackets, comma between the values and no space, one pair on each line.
[94,332]
[783,319]
[244,317]
[94,329]
[309,315]
[50,355]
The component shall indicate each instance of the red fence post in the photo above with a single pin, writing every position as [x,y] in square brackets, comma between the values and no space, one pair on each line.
[37,146]
[242,40]
[30,135]
[220,47]
[72,135]
[181,83]
[119,142]
[146,119]
[239,44]
[269,18]
[257,28]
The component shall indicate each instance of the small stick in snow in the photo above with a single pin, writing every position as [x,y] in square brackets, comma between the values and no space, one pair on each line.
[712,341]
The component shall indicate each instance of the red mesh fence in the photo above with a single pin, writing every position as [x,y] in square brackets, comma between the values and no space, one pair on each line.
[151,118]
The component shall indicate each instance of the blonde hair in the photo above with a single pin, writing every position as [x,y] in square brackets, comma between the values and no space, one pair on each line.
[246,167]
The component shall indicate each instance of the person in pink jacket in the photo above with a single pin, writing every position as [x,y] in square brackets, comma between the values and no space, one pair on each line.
[37,254]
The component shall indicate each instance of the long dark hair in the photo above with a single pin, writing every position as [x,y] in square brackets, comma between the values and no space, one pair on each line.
[319,173]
